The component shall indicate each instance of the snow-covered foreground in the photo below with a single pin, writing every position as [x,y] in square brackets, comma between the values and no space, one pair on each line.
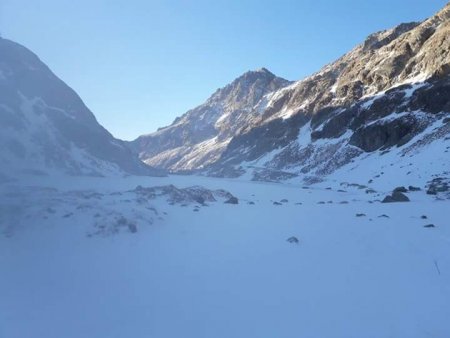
[225,270]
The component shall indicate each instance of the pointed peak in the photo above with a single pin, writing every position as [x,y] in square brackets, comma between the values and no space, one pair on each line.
[258,73]
[262,77]
[263,70]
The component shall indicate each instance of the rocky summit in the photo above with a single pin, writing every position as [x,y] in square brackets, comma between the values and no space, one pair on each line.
[199,137]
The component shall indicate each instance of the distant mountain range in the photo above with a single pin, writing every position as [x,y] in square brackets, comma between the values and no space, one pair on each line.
[383,94]
[391,92]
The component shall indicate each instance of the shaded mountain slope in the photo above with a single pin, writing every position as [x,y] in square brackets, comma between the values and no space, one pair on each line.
[47,128]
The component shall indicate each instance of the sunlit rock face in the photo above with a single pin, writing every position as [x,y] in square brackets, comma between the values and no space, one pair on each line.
[386,93]
[199,137]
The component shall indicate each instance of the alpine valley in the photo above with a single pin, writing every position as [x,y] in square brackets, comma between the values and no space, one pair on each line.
[276,209]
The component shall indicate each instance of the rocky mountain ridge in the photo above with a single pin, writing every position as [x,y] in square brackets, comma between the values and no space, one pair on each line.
[385,93]
[198,137]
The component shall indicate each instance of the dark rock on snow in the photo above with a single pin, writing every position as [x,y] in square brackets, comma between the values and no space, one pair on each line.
[293,240]
[396,197]
[232,200]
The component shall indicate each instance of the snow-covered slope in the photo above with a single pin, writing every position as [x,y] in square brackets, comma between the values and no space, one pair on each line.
[385,93]
[47,129]
[100,257]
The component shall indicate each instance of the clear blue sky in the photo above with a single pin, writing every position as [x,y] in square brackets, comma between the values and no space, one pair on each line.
[138,64]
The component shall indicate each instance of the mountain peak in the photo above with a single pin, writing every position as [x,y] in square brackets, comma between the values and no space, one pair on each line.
[263,70]
[209,127]
[252,84]
[257,74]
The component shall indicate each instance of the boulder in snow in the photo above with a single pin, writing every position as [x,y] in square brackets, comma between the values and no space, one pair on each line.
[293,240]
[232,200]
[396,197]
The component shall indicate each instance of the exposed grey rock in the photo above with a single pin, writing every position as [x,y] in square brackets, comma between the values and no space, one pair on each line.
[174,195]
[122,222]
[270,175]
[401,189]
[431,191]
[384,135]
[232,200]
[396,197]
[132,227]
[439,185]
[429,226]
[293,240]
